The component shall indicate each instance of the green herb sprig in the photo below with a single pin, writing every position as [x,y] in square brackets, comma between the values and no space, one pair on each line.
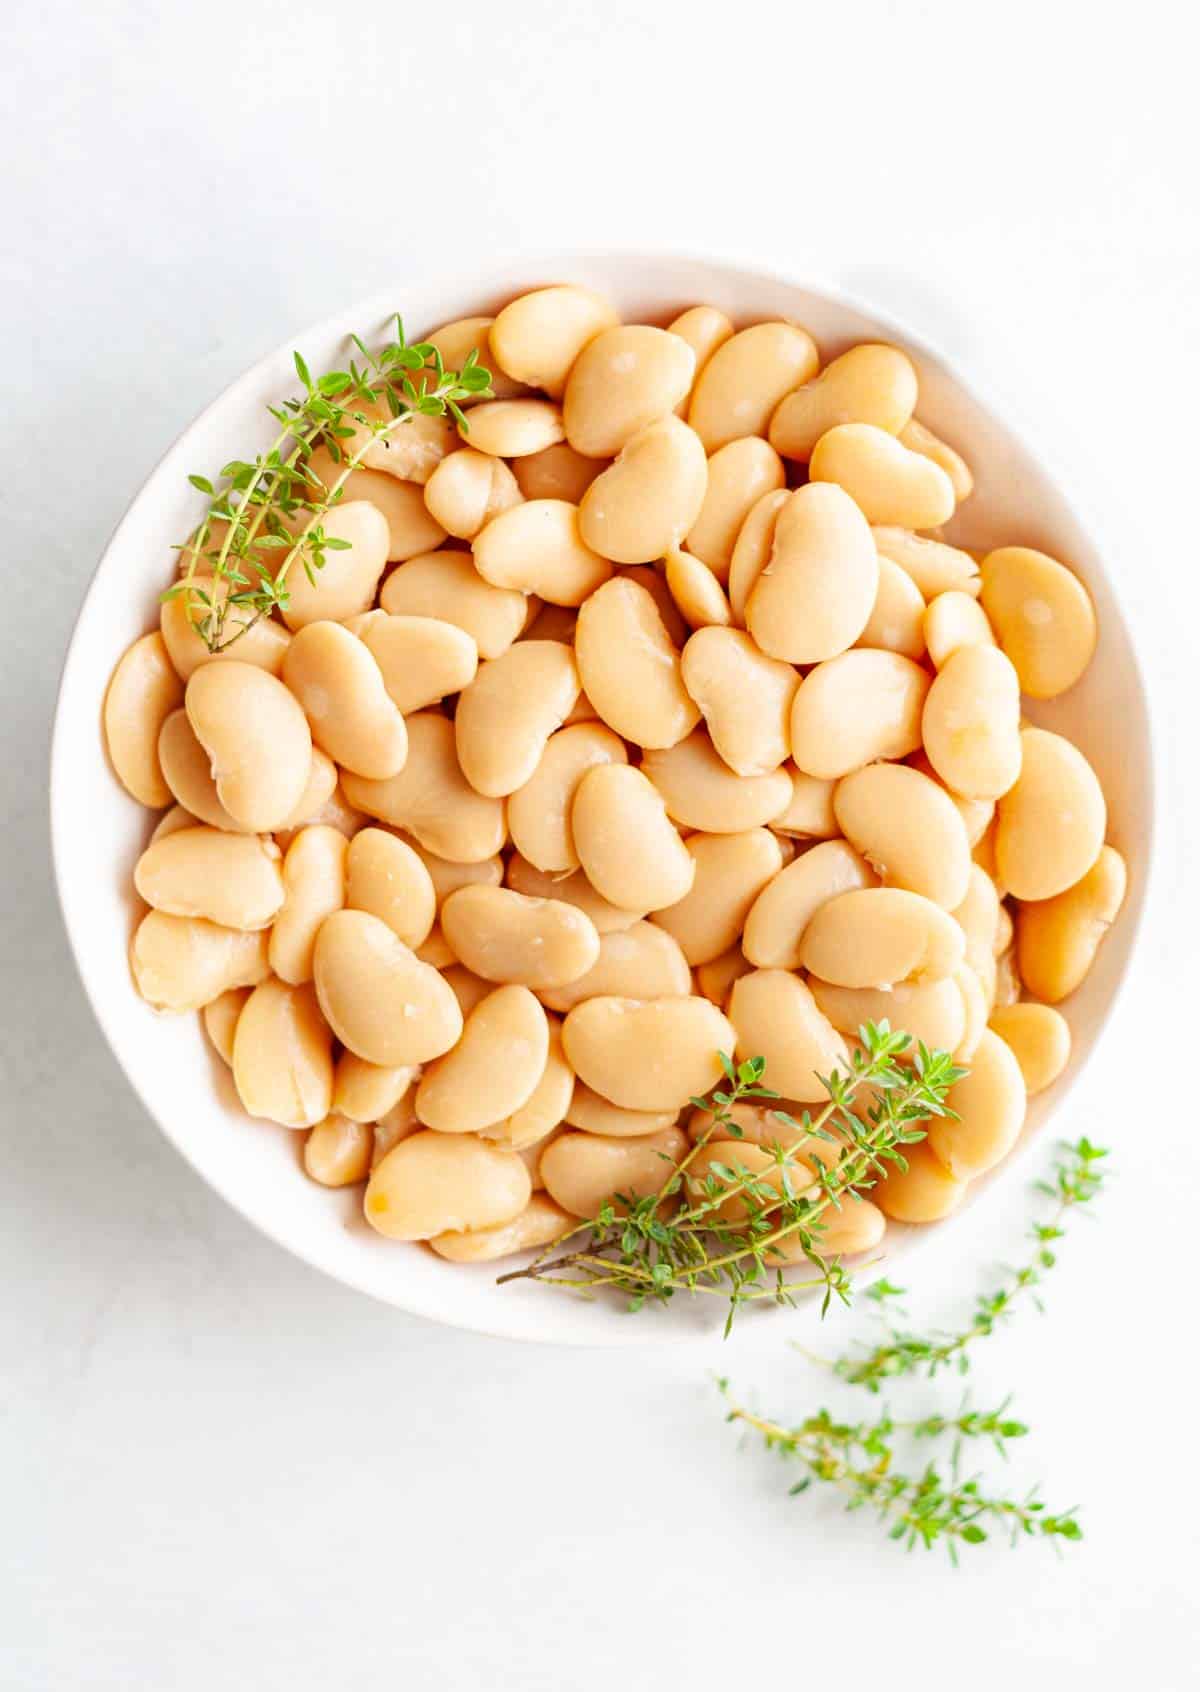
[724,1234]
[272,508]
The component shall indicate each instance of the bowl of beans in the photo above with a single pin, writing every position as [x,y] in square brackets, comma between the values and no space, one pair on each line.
[647,660]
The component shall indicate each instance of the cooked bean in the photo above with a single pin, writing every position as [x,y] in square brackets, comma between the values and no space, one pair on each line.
[397,1125]
[930,1011]
[737,391]
[507,937]
[1008,982]
[649,497]
[878,936]
[907,829]
[436,950]
[314,875]
[432,1184]
[952,620]
[595,1115]
[283,1056]
[468,489]
[704,328]
[1038,1037]
[337,1152]
[989,1103]
[776,922]
[654,581]
[772,1181]
[574,889]
[897,620]
[643,961]
[473,334]
[1043,617]
[1058,937]
[696,591]
[701,791]
[390,879]
[538,547]
[539,1224]
[232,879]
[582,1170]
[188,772]
[514,428]
[809,812]
[777,1018]
[976,814]
[739,474]
[1050,824]
[1004,930]
[557,472]
[171,822]
[976,1006]
[745,697]
[257,740]
[630,669]
[447,586]
[422,659]
[346,582]
[815,594]
[508,713]
[626,378]
[934,566]
[492,1070]
[856,708]
[977,914]
[630,851]
[431,798]
[251,641]
[970,723]
[545,1107]
[917,438]
[651,1054]
[411,526]
[378,997]
[854,1226]
[334,813]
[411,448]
[184,963]
[731,872]
[341,689]
[142,694]
[760,1124]
[539,336]
[752,549]
[925,1191]
[887,482]
[715,980]
[539,812]
[220,1017]
[366,1092]
[871,383]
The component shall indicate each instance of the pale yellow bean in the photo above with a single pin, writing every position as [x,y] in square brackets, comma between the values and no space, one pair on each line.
[745,698]
[897,620]
[378,997]
[539,1224]
[397,1125]
[760,1124]
[1043,617]
[626,378]
[629,849]
[538,337]
[250,641]
[538,547]
[629,667]
[184,963]
[546,1107]
[508,713]
[731,872]
[739,474]
[220,1020]
[431,798]
[970,723]
[447,587]
[142,694]
[492,1070]
[422,659]
[907,829]
[654,581]
[744,380]
[468,489]
[1050,823]
[952,620]
[989,1103]
[341,689]
[752,549]
[704,328]
[231,879]
[978,915]
[257,741]
[800,608]
[934,566]
[314,875]
[776,922]
[283,1056]
[977,814]
[1008,982]
[649,497]
[366,1092]
[411,527]
[651,1054]
[539,812]
[320,791]
[931,1011]
[337,1152]
[777,1018]
[551,622]
[409,448]
[557,472]
[808,814]
[976,1005]
[741,1159]
[856,708]
[575,889]
[878,936]
[925,1191]
[696,591]
[171,822]
[346,582]
[701,791]
[1058,937]
[872,383]
[514,428]
[432,1184]
[473,334]
[887,482]
[917,438]
[507,937]
[390,879]
[468,989]
[447,875]
[188,772]
[855,1226]
[595,1115]
[583,1170]
[1038,1037]
[640,962]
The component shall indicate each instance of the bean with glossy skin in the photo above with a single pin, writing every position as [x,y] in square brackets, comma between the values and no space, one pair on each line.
[142,694]
[907,829]
[989,1103]
[878,936]
[626,378]
[507,937]
[739,388]
[887,482]
[347,581]
[492,1070]
[263,642]
[760,1125]
[976,1006]
[777,1018]
[649,497]
[696,591]
[508,713]
[513,428]
[701,791]
[410,450]
[977,814]
[467,490]
[715,980]
[436,950]
[188,771]
[283,1056]
[574,889]
[897,620]
[539,547]
[970,723]
[378,997]
[854,1226]
[539,336]
[432,1184]
[808,814]
[592,1114]
[731,872]
[557,472]
[816,592]
[933,565]
[629,668]
[977,914]
[776,922]
[752,549]
[871,383]
[446,586]
[337,1152]
[184,963]
[220,1020]
[340,687]
[257,740]
[546,1106]
[581,1171]
[647,1055]
[745,698]
[335,812]
[704,328]
[422,659]
[739,474]
[171,822]
[917,438]
[397,1125]
[643,961]
[539,812]
[1043,616]
[389,878]
[654,581]
[466,335]
[431,798]
[930,1011]
[1050,823]
[855,709]
[366,1092]
[924,1192]
[314,875]
[1058,937]
[1038,1037]
[952,620]
[629,849]
[539,1224]
[231,879]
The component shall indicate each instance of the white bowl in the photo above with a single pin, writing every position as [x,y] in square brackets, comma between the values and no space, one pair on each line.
[98,831]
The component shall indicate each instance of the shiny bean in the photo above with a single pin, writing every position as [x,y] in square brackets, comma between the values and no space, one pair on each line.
[257,741]
[776,921]
[340,687]
[1058,937]
[907,829]
[917,438]
[629,849]
[337,1152]
[171,822]
[878,936]
[701,791]
[856,708]
[1050,823]
[816,592]
[411,526]
[777,1018]
[539,547]
[739,474]
[431,798]
[930,1011]
[422,659]
[897,620]
[539,812]
[433,1184]
[262,641]
[507,937]
[934,566]
[314,875]
[704,328]
[333,813]
[366,1092]
[977,814]
[188,772]
[871,383]
[1038,1037]
[447,586]
[231,879]
[629,668]
[539,1224]
[347,581]
[575,889]
[595,1115]
[744,380]
[283,1056]
[473,334]
[649,497]
[626,378]
[977,914]
[142,694]
[752,549]
[760,1124]
[1043,617]
[855,1226]
[411,448]
[494,1068]
[651,1054]
[546,1106]
[396,1125]
[467,490]
[378,997]
[557,472]
[731,872]
[643,961]
[976,1006]
[220,1020]
[696,591]
[389,878]
[989,1103]
[539,336]
[887,482]
[513,428]
[715,980]
[808,814]
[582,1170]
[508,713]
[952,620]
[925,1191]
[184,963]
[970,723]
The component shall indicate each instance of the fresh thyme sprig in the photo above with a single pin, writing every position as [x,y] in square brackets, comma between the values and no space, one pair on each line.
[266,513]
[733,1231]
[1077,1178]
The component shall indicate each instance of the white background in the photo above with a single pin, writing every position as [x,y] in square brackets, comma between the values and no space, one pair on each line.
[219,1469]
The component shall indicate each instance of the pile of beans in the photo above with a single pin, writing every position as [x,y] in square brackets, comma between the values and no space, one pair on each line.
[648,717]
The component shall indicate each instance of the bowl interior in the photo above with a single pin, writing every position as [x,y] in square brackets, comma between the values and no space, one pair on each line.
[99,832]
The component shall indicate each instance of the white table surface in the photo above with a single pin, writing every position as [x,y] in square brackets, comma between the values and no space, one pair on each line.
[218,1469]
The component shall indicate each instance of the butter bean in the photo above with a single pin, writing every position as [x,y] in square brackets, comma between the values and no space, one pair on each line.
[514,428]
[337,1152]
[539,1224]
[539,810]
[366,1092]
[745,698]
[433,1184]
[411,449]
[1058,937]
[447,587]
[898,617]
[582,1170]
[776,922]
[389,878]
[739,474]
[1004,930]
[347,581]
[976,1006]
[629,668]
[752,549]
[760,1124]
[643,961]
[917,438]
[934,566]
[1043,616]
[574,889]
[538,547]
[436,950]
[283,1056]
[701,791]
[422,659]
[625,378]
[871,383]
[468,489]
[952,620]
[545,1108]
[696,591]
[595,1115]
[378,997]
[907,829]
[1008,982]
[744,380]
[655,583]
[1038,1037]
[507,937]
[188,772]
[539,336]
[319,791]
[492,1070]
[856,1226]
[772,1181]
[412,528]
[646,1055]
[220,1019]
[731,872]
[142,694]
[815,594]
[704,328]
[431,798]
[649,497]
[231,879]
[184,963]
[854,709]
[340,687]
[887,482]
[715,980]
[971,723]
[314,875]
[473,334]
[262,642]
[989,1103]
[630,851]
[397,1125]
[878,936]
[171,822]
[557,472]
[925,1191]
[257,741]
[1050,823]
[508,713]
[977,914]
[777,1018]
[808,814]
[977,814]
[930,1011]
